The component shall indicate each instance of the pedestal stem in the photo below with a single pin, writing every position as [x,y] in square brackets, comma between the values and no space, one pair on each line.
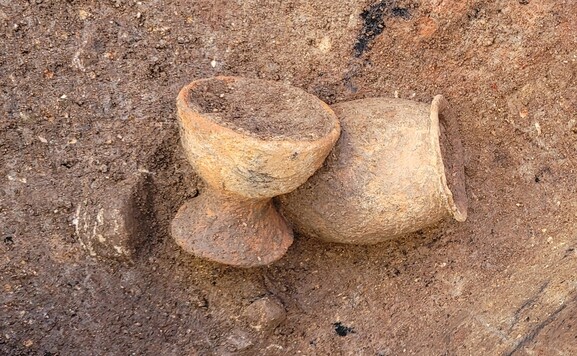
[231,230]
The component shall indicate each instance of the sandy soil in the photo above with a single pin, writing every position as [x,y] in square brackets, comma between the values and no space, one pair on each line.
[87,92]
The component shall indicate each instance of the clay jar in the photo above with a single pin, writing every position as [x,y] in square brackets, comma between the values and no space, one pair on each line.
[398,167]
[249,140]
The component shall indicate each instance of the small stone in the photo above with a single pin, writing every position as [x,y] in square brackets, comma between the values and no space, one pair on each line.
[488,42]
[48,74]
[238,341]
[264,315]
[258,321]
[83,14]
[325,44]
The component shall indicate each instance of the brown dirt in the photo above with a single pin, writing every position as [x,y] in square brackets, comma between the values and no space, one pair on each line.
[87,94]
[265,109]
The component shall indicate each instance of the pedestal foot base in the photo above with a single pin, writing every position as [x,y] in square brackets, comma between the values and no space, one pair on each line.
[239,233]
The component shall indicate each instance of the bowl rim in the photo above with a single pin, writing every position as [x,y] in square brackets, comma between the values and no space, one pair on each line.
[184,107]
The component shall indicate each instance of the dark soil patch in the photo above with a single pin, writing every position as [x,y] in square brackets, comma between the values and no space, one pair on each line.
[343,330]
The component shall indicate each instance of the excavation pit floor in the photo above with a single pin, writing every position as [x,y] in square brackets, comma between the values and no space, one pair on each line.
[87,106]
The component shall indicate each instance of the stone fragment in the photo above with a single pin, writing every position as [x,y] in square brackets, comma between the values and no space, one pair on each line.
[238,341]
[113,223]
[264,315]
[256,324]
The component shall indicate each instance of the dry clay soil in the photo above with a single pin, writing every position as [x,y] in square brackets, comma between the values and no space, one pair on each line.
[87,102]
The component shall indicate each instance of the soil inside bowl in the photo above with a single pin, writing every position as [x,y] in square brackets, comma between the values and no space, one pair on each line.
[264,109]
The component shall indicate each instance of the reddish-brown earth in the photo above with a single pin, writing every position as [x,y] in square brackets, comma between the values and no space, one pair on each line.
[87,95]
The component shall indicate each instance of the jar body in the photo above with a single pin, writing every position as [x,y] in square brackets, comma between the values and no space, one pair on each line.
[398,167]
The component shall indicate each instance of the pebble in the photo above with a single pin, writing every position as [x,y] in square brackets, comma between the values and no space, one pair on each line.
[238,341]
[264,315]
[83,14]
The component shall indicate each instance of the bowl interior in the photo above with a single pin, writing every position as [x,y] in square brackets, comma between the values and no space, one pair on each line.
[264,109]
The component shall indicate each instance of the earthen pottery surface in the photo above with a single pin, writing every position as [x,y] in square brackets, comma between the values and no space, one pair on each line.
[386,176]
[249,140]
